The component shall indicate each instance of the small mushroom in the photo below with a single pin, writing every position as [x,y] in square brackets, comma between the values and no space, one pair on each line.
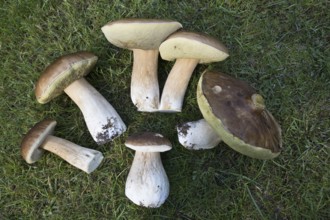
[67,74]
[143,37]
[189,49]
[197,135]
[40,138]
[147,183]
[238,114]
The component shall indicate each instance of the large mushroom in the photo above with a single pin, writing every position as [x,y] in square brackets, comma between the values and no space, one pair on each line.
[188,49]
[40,138]
[238,114]
[143,37]
[67,74]
[147,183]
[197,135]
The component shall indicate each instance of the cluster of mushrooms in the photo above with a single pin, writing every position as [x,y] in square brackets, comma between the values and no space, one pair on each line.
[233,111]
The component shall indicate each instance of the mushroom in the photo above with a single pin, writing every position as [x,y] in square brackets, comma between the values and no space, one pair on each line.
[143,37]
[197,135]
[67,74]
[189,49]
[40,138]
[238,114]
[147,183]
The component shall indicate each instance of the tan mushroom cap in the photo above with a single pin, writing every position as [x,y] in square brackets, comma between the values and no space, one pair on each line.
[148,142]
[193,45]
[238,114]
[31,142]
[145,34]
[62,72]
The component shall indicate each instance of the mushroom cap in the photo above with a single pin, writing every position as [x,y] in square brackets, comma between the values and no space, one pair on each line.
[237,113]
[30,150]
[62,72]
[145,34]
[193,45]
[148,142]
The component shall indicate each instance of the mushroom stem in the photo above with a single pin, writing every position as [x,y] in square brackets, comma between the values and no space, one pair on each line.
[147,183]
[197,135]
[144,82]
[176,85]
[83,158]
[102,120]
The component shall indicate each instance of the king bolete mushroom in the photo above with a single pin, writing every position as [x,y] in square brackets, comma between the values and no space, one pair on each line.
[147,183]
[67,74]
[40,138]
[189,49]
[143,37]
[238,114]
[197,135]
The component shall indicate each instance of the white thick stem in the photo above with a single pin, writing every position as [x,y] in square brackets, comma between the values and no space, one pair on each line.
[144,82]
[176,85]
[83,158]
[147,183]
[197,135]
[102,119]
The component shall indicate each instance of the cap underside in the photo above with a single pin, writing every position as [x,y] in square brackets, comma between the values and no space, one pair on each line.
[192,45]
[139,34]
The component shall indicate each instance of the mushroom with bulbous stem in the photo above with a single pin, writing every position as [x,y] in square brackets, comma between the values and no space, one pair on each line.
[147,183]
[40,138]
[197,135]
[189,49]
[143,37]
[67,74]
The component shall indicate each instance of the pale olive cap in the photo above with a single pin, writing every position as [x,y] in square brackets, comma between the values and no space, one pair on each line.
[238,114]
[193,45]
[148,142]
[31,142]
[62,72]
[145,34]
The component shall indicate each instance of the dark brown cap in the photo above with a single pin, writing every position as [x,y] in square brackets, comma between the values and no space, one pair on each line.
[148,142]
[193,45]
[145,34]
[30,150]
[238,114]
[62,72]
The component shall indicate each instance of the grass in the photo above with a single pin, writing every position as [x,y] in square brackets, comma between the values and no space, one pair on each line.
[280,48]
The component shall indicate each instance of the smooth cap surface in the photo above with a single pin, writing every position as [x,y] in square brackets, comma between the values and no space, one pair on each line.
[238,114]
[30,150]
[145,34]
[62,72]
[193,45]
[148,142]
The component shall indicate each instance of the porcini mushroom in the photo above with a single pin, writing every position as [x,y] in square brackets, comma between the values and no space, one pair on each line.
[189,49]
[197,135]
[143,37]
[67,74]
[147,183]
[238,114]
[40,138]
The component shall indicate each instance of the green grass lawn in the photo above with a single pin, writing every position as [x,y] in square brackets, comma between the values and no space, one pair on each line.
[280,48]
